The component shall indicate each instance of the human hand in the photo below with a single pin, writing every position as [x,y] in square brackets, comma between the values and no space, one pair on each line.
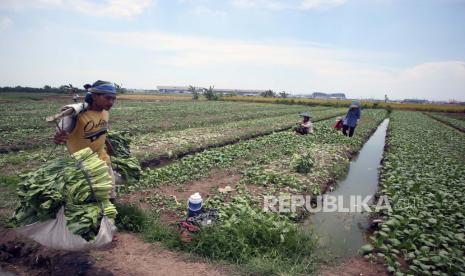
[60,137]
[109,147]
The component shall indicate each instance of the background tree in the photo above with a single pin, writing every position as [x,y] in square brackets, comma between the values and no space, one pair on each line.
[68,88]
[47,88]
[193,90]
[283,94]
[120,89]
[210,94]
[268,94]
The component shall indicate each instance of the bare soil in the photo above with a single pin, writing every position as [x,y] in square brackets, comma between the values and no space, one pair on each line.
[131,256]
[218,179]
[355,266]
[128,255]
[25,257]
[206,187]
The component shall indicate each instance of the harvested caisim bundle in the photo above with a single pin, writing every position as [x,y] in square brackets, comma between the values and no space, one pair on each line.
[81,183]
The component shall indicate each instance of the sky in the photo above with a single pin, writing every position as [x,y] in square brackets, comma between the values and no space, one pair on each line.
[363,48]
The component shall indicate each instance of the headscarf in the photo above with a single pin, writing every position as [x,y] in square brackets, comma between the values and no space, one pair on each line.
[102,87]
[99,87]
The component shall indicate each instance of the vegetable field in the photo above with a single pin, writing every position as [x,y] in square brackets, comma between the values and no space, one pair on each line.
[24,127]
[455,120]
[236,154]
[424,176]
[158,128]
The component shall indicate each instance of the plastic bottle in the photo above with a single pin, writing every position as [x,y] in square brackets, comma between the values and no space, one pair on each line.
[194,205]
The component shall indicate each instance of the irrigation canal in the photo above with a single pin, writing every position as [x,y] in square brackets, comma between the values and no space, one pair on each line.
[341,234]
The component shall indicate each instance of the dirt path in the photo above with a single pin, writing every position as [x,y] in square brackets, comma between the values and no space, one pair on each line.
[129,255]
[355,266]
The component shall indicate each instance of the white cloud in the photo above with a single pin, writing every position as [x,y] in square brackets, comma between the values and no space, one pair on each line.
[26,4]
[289,5]
[205,11]
[267,4]
[5,23]
[110,8]
[292,66]
[321,4]
[433,80]
[194,51]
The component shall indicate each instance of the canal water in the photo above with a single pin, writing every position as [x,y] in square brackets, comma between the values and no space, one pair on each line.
[341,234]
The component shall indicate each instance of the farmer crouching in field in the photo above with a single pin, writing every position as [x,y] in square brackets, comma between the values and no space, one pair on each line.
[87,126]
[305,127]
[351,119]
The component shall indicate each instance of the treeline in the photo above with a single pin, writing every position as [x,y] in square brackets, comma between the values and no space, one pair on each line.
[45,89]
[48,89]
[345,103]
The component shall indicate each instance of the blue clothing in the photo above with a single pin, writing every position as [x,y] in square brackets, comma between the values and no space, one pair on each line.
[352,116]
[102,87]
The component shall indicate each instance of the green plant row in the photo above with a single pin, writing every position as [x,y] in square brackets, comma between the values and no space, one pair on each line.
[423,176]
[210,127]
[23,124]
[253,152]
[456,121]
[170,144]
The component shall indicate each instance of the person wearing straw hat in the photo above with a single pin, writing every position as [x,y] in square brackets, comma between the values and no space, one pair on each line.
[87,125]
[351,119]
[304,127]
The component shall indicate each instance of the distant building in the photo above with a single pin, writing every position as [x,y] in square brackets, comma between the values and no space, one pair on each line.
[321,95]
[185,89]
[415,101]
[301,96]
[173,89]
[240,92]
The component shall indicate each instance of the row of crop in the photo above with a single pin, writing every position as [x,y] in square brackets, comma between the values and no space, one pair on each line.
[23,124]
[262,150]
[150,117]
[457,122]
[423,176]
[167,144]
[170,144]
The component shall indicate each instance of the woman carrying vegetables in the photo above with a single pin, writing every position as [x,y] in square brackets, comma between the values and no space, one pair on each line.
[87,126]
[351,119]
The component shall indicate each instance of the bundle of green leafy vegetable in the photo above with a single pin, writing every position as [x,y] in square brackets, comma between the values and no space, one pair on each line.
[81,183]
[122,161]
[302,163]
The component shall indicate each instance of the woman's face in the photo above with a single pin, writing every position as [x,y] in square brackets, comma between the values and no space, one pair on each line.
[103,101]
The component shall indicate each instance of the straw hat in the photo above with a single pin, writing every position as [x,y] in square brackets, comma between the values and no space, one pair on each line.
[305,114]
